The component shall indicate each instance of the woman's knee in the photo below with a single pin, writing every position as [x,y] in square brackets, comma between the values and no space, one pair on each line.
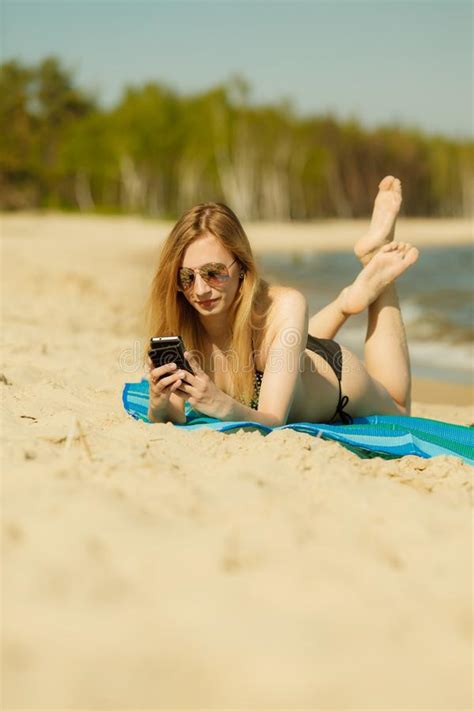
[370,397]
[367,394]
[403,408]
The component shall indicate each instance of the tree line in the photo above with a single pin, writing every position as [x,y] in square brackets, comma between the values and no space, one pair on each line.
[157,152]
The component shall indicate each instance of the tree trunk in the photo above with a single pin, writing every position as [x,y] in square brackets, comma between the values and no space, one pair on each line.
[336,191]
[132,185]
[83,193]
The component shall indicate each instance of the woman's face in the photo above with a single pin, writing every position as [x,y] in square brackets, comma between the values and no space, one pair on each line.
[207,299]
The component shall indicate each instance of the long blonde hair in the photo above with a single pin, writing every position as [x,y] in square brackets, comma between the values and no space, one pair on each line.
[168,311]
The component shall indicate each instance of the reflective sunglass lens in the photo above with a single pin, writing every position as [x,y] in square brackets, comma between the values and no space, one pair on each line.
[213,274]
[185,278]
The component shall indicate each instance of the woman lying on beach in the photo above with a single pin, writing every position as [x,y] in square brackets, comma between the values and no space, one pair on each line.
[255,354]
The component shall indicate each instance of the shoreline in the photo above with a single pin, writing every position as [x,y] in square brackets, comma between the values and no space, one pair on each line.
[320,235]
[341,235]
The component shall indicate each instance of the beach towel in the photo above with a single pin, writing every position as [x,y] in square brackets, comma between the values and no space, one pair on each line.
[377,435]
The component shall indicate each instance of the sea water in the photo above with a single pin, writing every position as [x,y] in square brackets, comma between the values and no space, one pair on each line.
[436,297]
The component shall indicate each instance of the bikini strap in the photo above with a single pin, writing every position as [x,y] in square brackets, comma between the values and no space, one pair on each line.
[342,402]
[345,417]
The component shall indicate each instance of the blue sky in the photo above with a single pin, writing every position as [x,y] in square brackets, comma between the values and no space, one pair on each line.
[378,60]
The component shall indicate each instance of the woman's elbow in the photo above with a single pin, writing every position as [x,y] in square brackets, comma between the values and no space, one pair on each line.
[272,420]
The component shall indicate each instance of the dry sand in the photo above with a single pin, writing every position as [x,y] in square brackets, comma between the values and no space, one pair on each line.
[150,568]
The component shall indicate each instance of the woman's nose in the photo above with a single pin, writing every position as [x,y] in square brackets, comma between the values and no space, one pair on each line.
[200,286]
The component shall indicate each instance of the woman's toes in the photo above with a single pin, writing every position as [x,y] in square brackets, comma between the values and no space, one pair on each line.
[412,255]
[386,182]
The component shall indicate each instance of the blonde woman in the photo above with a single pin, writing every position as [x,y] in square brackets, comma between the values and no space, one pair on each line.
[255,354]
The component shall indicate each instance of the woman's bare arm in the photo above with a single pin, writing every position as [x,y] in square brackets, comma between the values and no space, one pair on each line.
[282,365]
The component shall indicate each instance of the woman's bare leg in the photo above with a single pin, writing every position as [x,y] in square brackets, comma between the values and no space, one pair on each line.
[327,322]
[383,384]
[386,352]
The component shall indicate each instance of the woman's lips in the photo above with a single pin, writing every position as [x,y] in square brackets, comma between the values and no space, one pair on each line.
[209,302]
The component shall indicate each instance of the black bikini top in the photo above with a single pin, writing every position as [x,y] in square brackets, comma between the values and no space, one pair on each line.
[257,384]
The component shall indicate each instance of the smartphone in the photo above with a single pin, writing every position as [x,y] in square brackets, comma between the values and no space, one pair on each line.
[168,349]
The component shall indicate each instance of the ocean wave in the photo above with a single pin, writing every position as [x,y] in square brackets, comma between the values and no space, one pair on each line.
[431,327]
[442,355]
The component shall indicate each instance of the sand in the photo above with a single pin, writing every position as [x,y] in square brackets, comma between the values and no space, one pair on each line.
[150,568]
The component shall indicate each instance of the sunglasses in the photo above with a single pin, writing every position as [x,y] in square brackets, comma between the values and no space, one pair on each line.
[213,273]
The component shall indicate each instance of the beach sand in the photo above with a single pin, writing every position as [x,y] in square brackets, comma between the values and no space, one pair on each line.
[149,568]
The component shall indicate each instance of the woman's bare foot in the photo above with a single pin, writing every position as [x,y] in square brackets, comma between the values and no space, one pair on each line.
[382,226]
[391,261]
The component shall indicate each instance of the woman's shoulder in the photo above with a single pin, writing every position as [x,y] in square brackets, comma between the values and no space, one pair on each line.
[285,299]
[285,304]
[282,303]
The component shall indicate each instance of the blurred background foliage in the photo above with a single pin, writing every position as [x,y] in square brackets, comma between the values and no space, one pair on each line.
[158,152]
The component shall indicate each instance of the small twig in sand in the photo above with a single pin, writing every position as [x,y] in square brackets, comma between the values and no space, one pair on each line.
[83,438]
[76,432]
[70,436]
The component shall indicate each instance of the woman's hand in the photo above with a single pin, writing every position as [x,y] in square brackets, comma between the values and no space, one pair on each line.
[163,381]
[202,393]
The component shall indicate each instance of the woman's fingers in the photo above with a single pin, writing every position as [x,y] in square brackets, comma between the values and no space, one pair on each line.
[162,370]
[161,383]
[188,389]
